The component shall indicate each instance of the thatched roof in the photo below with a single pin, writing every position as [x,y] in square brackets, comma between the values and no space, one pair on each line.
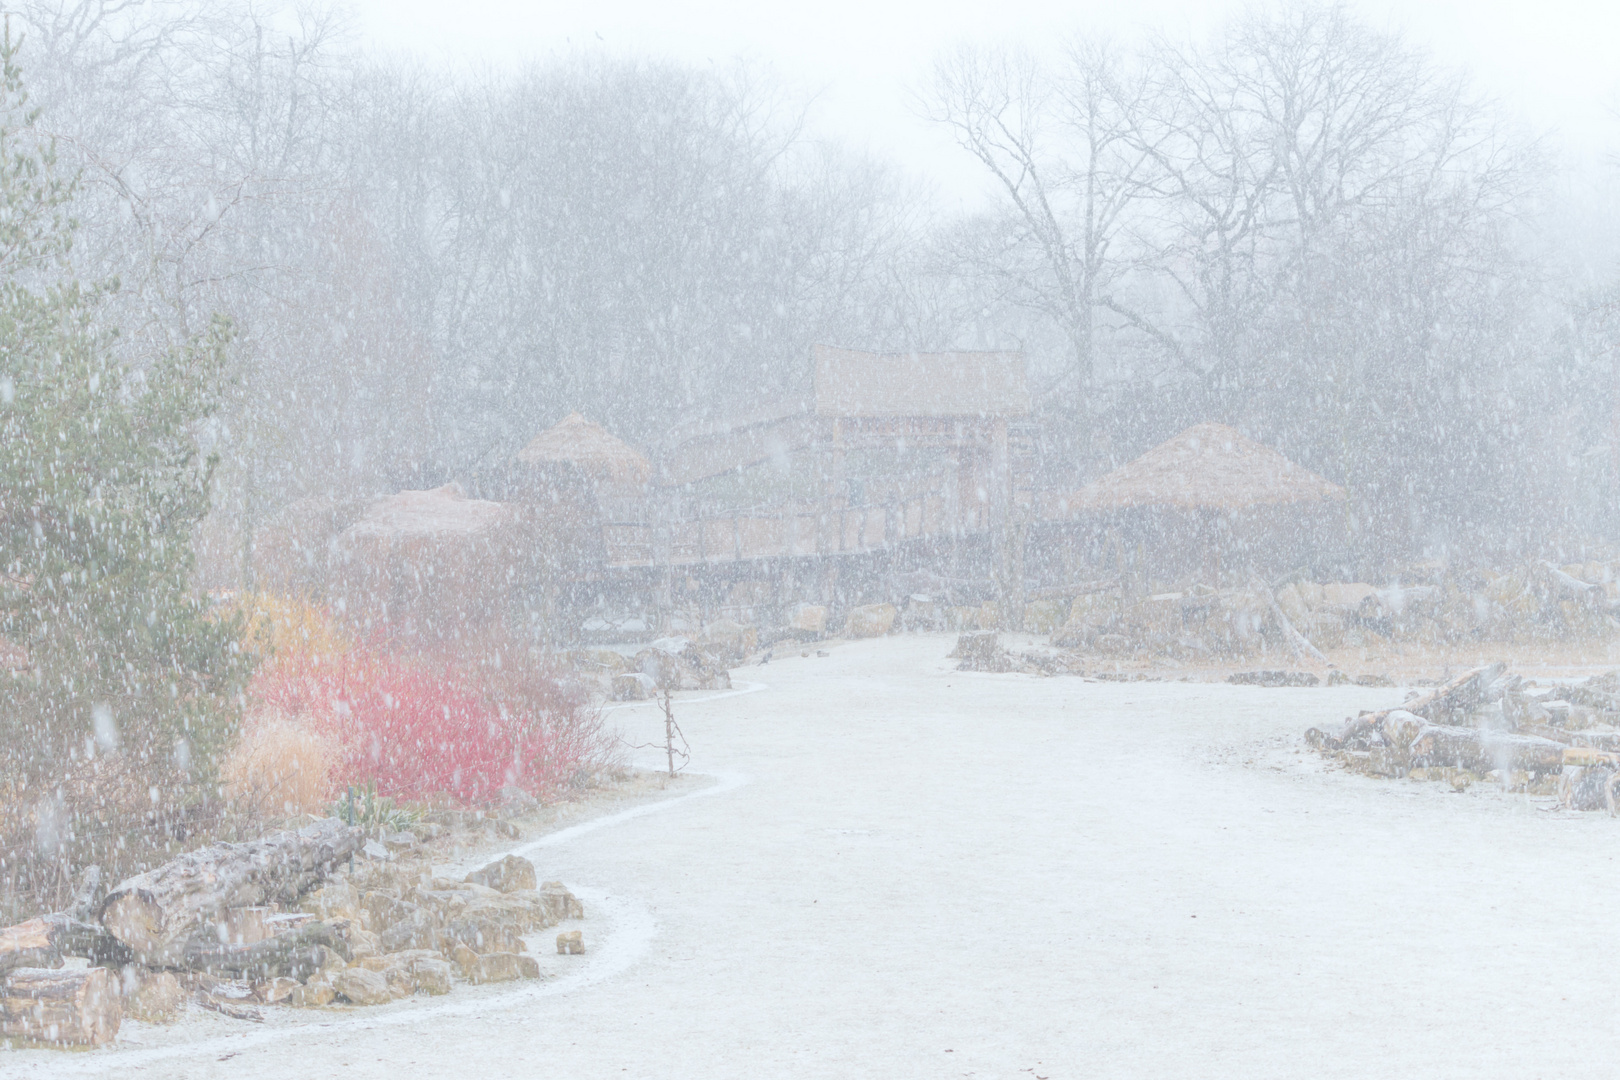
[597,453]
[441,513]
[867,384]
[1208,466]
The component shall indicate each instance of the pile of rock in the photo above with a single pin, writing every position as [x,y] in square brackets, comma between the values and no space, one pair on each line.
[1489,724]
[292,919]
[674,663]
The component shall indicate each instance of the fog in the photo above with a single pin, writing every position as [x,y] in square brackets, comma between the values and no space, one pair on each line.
[391,402]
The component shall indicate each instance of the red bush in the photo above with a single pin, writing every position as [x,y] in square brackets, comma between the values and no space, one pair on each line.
[422,728]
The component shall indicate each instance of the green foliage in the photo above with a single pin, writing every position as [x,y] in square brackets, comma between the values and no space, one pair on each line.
[101,484]
[363,806]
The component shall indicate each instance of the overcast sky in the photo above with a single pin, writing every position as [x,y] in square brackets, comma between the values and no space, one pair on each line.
[1552,61]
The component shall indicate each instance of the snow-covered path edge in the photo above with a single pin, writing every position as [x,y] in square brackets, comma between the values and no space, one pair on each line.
[632,931]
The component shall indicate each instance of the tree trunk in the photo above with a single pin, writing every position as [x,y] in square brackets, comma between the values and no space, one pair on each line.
[69,1008]
[157,913]
[297,954]
[42,943]
[1481,751]
[1458,697]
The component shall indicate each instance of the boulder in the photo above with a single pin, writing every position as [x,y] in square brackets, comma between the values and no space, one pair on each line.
[870,620]
[335,900]
[432,975]
[508,875]
[571,943]
[501,967]
[481,933]
[152,996]
[730,640]
[359,986]
[633,686]
[808,620]
[313,993]
[275,991]
[417,930]
[560,903]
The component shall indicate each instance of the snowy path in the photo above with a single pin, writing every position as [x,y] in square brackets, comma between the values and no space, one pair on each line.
[936,874]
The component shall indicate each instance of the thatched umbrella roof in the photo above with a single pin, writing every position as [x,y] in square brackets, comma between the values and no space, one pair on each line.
[1206,467]
[443,513]
[596,452]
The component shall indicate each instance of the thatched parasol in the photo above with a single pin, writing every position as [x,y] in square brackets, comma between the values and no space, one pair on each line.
[1206,467]
[597,453]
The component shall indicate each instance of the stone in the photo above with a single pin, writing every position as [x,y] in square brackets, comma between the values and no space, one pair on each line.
[870,620]
[560,903]
[808,619]
[481,932]
[508,875]
[730,640]
[633,686]
[275,991]
[359,986]
[418,929]
[403,840]
[335,900]
[152,996]
[401,980]
[314,993]
[464,957]
[376,849]
[571,943]
[432,975]
[501,967]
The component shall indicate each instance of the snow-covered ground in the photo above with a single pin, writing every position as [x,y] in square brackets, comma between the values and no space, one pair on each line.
[907,871]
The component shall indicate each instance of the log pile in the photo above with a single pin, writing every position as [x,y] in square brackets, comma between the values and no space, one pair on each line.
[1490,724]
[314,916]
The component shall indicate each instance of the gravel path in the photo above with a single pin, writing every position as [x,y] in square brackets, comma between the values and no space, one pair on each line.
[907,871]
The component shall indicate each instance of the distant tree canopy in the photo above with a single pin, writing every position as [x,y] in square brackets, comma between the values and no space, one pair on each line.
[1302,226]
[101,485]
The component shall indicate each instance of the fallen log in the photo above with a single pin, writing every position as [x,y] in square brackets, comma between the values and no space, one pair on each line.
[1458,697]
[1298,644]
[1481,751]
[157,913]
[68,1008]
[296,954]
[44,941]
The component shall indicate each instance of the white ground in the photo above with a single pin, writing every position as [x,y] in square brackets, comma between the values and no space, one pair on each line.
[907,871]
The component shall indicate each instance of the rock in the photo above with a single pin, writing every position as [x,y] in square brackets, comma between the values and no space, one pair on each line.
[481,932]
[464,957]
[508,875]
[401,980]
[400,841]
[1273,678]
[571,943]
[982,652]
[275,991]
[1044,616]
[335,900]
[313,993]
[870,620]
[432,975]
[362,943]
[560,903]
[1345,597]
[375,849]
[359,986]
[419,930]
[730,640]
[633,686]
[808,620]
[501,967]
[152,996]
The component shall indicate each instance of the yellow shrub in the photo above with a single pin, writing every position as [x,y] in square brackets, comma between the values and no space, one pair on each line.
[278,624]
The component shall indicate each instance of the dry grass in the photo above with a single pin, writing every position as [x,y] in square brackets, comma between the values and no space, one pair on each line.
[280,767]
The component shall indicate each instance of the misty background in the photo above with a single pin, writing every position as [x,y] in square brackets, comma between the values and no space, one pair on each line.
[1293,219]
